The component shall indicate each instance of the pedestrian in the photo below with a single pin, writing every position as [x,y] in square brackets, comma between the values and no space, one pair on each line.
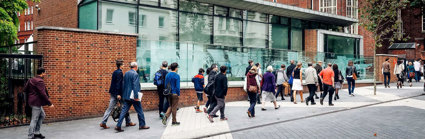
[398,72]
[115,92]
[259,77]
[327,76]
[220,93]
[253,85]
[207,104]
[250,64]
[312,81]
[319,67]
[350,74]
[289,71]
[131,97]
[268,88]
[281,78]
[38,97]
[410,72]
[209,88]
[297,85]
[173,79]
[417,66]
[386,72]
[338,80]
[159,80]
[198,82]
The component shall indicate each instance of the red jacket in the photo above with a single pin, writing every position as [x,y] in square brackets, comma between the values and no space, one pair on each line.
[37,93]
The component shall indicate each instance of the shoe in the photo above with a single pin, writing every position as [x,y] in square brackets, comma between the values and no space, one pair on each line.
[249,114]
[103,126]
[118,129]
[321,101]
[313,103]
[198,111]
[143,127]
[223,119]
[164,120]
[331,104]
[263,109]
[215,116]
[175,123]
[306,103]
[389,86]
[277,107]
[335,98]
[162,115]
[302,101]
[258,102]
[130,124]
[317,97]
[295,102]
[39,136]
[205,110]
[210,118]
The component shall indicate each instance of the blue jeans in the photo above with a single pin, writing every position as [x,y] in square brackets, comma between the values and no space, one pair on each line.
[387,78]
[417,76]
[252,102]
[112,102]
[280,90]
[351,85]
[137,106]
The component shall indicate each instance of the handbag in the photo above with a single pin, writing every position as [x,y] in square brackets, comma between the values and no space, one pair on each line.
[411,74]
[252,88]
[354,76]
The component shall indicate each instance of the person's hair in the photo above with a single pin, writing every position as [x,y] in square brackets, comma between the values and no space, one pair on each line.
[292,61]
[257,64]
[254,68]
[213,66]
[269,68]
[299,64]
[386,59]
[399,62]
[119,63]
[310,64]
[40,71]
[201,70]
[350,63]
[335,67]
[329,64]
[174,66]
[169,67]
[133,64]
[282,66]
[250,61]
[410,63]
[319,62]
[223,69]
[418,59]
[164,64]
[208,70]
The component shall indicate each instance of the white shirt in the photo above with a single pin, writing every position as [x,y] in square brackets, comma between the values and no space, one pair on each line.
[417,65]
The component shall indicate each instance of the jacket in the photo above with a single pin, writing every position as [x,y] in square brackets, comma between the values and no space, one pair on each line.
[268,83]
[174,80]
[131,83]
[349,71]
[280,77]
[116,83]
[398,69]
[198,82]
[220,86]
[247,69]
[289,70]
[37,92]
[211,82]
[311,76]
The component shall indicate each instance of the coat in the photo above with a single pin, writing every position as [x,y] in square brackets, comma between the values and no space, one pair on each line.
[268,83]
[220,85]
[116,83]
[131,83]
[37,92]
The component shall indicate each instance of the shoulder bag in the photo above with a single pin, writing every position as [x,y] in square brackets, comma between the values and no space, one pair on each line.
[252,88]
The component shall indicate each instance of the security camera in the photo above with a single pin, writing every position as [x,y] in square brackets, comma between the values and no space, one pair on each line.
[38,8]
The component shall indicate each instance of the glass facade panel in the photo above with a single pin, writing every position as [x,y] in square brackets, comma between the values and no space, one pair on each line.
[255,34]
[341,45]
[195,28]
[88,16]
[119,20]
[227,31]
[279,36]
[195,7]
[169,3]
[158,24]
[149,2]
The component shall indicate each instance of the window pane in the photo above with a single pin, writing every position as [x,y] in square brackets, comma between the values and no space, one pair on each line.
[296,23]
[279,36]
[149,2]
[196,7]
[255,34]
[152,20]
[161,22]
[142,20]
[220,11]
[255,16]
[235,13]
[296,39]
[109,15]
[88,16]
[131,18]
[123,23]
[227,31]
[195,28]
[169,3]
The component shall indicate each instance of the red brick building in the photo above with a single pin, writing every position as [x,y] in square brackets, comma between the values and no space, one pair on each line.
[26,22]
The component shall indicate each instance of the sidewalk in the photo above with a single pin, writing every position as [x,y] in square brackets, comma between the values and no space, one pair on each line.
[194,125]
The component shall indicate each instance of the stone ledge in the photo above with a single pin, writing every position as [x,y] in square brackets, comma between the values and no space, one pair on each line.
[84,31]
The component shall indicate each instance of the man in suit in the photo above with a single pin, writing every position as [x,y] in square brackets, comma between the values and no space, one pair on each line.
[132,88]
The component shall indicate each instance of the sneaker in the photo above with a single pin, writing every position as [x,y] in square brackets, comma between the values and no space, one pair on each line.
[321,101]
[210,118]
[331,104]
[263,109]
[313,103]
[162,115]
[164,120]
[175,123]
[249,114]
[205,110]
[39,136]
[277,107]
[198,111]
[223,119]
[215,116]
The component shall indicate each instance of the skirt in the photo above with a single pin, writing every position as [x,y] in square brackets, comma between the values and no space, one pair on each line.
[268,96]
[338,85]
[296,85]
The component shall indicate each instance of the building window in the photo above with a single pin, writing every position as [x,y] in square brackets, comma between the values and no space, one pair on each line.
[25,11]
[109,15]
[328,6]
[25,26]
[352,8]
[161,22]
[32,25]
[142,20]
[32,9]
[19,27]
[131,18]
[29,25]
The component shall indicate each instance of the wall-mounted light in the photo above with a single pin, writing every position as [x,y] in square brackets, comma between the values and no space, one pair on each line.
[38,8]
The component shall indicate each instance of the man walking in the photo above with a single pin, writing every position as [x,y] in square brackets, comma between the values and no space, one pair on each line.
[159,82]
[37,98]
[211,87]
[173,79]
[198,82]
[220,94]
[250,62]
[281,78]
[386,72]
[319,68]
[289,75]
[132,88]
[417,66]
[327,77]
[115,92]
[311,81]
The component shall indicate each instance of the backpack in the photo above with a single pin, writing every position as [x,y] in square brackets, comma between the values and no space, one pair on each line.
[158,79]
[167,90]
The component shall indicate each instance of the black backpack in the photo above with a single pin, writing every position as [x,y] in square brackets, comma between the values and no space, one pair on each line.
[116,112]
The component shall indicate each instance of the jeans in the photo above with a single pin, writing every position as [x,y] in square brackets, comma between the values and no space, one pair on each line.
[291,92]
[220,106]
[417,76]
[208,102]
[174,101]
[252,102]
[387,78]
[259,97]
[213,103]
[312,89]
[326,89]
[281,90]
[137,106]
[351,85]
[112,102]
[37,118]
[161,97]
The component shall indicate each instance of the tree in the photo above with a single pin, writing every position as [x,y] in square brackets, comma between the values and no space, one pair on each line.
[383,19]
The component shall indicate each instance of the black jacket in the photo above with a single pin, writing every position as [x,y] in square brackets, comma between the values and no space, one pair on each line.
[116,82]
[220,85]
[247,69]
[289,70]
[209,88]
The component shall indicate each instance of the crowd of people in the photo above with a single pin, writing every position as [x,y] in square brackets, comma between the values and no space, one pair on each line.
[413,70]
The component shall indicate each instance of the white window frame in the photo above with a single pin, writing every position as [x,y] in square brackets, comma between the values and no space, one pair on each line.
[142,21]
[32,25]
[19,27]
[25,11]
[25,26]
[134,19]
[112,16]
[32,9]
[328,6]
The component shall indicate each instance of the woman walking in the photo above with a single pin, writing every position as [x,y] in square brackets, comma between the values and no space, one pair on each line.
[268,86]
[337,79]
[297,85]
[351,76]
[252,89]
[398,71]
[410,72]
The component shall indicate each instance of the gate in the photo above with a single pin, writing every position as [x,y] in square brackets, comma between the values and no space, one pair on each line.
[15,70]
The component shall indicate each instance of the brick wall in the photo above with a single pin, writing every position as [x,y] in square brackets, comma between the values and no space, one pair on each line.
[60,13]
[310,43]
